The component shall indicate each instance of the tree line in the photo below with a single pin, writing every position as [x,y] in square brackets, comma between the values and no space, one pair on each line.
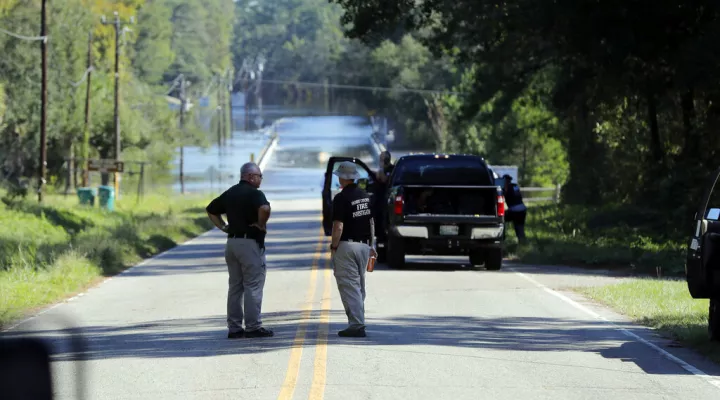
[309,41]
[616,100]
[169,39]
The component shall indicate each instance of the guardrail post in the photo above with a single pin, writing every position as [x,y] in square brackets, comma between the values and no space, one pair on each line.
[557,193]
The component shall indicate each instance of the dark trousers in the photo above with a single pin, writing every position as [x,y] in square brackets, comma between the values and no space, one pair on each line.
[518,220]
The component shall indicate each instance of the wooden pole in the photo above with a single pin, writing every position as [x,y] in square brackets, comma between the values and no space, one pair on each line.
[43,103]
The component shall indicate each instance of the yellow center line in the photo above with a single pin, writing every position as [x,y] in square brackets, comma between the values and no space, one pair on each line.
[288,387]
[317,390]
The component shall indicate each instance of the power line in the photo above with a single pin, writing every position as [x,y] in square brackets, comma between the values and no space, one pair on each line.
[85,75]
[33,38]
[385,89]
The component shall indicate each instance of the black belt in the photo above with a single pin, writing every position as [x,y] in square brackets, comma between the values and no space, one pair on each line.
[366,241]
[240,236]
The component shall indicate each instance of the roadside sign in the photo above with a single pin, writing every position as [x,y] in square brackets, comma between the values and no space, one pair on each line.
[204,101]
[105,165]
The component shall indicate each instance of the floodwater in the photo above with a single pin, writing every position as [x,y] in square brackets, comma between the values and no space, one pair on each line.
[298,164]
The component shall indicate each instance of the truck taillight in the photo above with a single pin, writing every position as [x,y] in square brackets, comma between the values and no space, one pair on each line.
[500,206]
[399,205]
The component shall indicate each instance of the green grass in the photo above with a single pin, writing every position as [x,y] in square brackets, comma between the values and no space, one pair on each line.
[615,237]
[662,304]
[50,252]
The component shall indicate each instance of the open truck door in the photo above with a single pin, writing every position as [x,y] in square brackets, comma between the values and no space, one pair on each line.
[702,265]
[331,186]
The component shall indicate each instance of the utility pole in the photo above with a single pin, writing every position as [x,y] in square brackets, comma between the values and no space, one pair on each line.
[327,96]
[43,103]
[230,99]
[116,25]
[261,66]
[86,131]
[219,129]
[182,134]
[247,101]
[221,115]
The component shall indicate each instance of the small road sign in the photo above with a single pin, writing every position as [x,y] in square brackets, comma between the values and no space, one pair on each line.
[105,165]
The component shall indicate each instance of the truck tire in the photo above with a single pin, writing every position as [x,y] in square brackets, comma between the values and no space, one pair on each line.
[714,320]
[493,259]
[477,257]
[382,254]
[395,252]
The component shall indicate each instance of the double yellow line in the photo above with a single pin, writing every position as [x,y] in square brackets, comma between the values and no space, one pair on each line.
[317,390]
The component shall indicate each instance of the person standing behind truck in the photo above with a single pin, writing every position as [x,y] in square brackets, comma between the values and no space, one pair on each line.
[516,211]
[380,195]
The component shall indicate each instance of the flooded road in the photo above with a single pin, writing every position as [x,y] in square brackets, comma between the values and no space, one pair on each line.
[305,144]
[297,165]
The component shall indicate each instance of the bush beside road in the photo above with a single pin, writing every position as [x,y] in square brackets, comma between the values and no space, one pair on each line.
[50,252]
[612,237]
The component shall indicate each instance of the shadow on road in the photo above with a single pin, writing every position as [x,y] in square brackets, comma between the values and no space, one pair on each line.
[206,337]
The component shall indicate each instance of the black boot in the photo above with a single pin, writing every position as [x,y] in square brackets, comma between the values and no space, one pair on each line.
[352,332]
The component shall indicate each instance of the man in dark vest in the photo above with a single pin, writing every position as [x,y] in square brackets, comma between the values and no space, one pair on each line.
[247,212]
[353,243]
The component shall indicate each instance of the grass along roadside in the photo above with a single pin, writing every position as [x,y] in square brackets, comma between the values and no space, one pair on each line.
[619,237]
[50,252]
[663,304]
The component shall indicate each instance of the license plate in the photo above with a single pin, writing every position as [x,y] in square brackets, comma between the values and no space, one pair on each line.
[448,230]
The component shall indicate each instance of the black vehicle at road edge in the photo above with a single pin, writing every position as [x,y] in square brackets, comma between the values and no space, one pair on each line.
[702,265]
[468,214]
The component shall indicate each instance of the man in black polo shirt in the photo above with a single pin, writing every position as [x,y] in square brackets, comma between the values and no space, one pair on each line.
[247,212]
[353,242]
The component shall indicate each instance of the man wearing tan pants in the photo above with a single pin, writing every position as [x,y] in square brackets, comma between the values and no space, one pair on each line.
[247,212]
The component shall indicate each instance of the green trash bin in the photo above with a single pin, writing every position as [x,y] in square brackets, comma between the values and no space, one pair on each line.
[106,196]
[86,196]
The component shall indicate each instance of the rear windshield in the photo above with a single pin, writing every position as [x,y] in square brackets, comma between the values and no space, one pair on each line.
[442,171]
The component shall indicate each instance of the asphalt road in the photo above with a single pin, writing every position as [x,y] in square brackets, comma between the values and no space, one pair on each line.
[437,330]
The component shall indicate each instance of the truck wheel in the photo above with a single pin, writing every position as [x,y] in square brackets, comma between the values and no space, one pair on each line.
[477,257]
[395,252]
[493,261]
[714,320]
[381,254]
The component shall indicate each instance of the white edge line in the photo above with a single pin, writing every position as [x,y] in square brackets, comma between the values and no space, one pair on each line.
[684,364]
[140,264]
[268,154]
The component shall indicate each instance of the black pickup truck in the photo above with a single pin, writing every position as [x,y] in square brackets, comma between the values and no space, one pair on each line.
[435,205]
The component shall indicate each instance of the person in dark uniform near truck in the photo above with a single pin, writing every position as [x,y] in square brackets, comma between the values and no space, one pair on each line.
[353,243]
[381,189]
[247,212]
[516,210]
